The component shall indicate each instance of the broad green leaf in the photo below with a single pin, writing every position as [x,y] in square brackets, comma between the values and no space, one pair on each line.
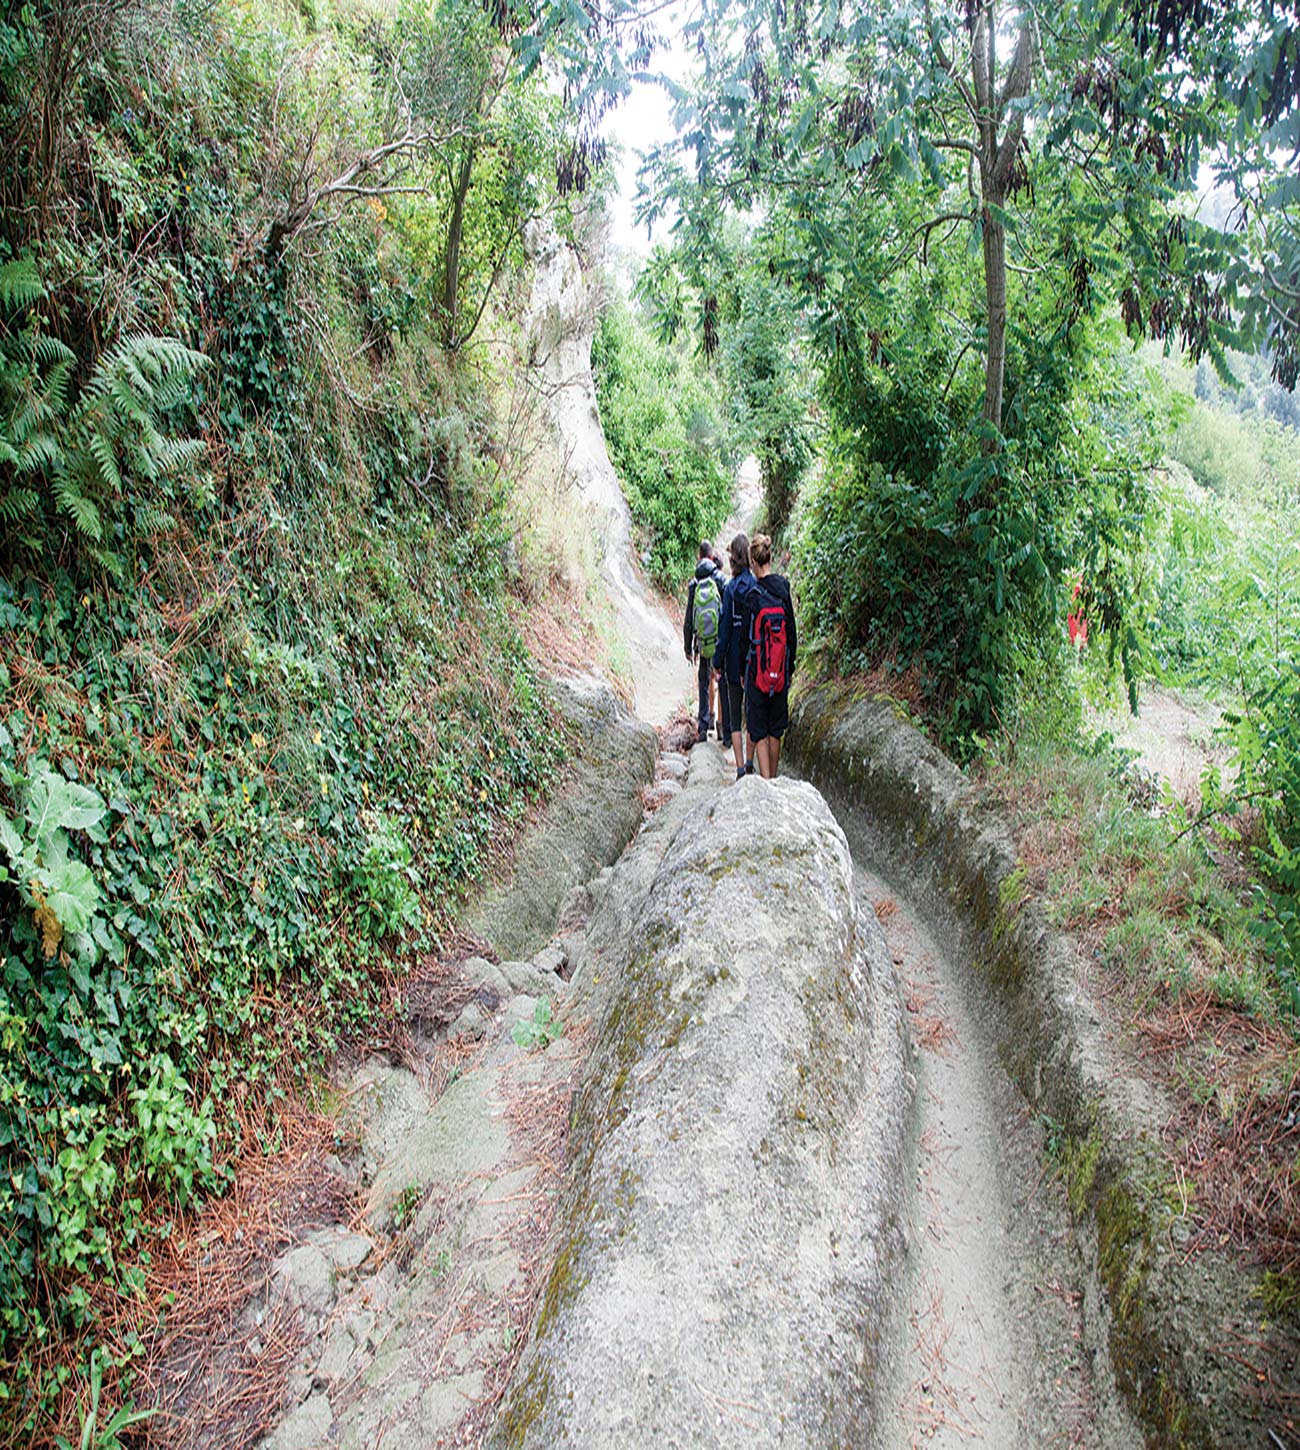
[73,897]
[10,839]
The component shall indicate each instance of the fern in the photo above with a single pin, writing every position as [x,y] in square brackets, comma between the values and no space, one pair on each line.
[20,284]
[82,456]
[80,508]
[19,504]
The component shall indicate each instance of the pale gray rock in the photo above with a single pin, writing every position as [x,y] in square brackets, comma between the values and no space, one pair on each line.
[520,1009]
[729,1229]
[307,1428]
[470,1025]
[345,1251]
[551,961]
[384,1103]
[459,1135]
[306,1279]
[527,977]
[481,973]
[584,826]
[673,767]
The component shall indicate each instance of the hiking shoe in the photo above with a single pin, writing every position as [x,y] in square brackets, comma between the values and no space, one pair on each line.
[740,772]
[749,767]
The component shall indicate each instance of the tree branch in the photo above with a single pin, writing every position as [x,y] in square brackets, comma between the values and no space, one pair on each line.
[349,185]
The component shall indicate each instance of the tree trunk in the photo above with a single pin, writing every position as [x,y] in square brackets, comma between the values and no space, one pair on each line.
[995,294]
[451,270]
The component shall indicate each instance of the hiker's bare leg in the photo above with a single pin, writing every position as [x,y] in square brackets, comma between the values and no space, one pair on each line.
[774,754]
[764,753]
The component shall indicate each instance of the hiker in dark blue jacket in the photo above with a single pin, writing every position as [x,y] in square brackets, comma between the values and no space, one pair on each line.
[700,631]
[767,699]
[729,658]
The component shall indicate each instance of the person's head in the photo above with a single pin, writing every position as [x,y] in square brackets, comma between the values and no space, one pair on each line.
[706,549]
[739,553]
[760,553]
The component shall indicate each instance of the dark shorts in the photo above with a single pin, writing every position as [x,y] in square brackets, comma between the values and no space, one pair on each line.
[766,714]
[735,705]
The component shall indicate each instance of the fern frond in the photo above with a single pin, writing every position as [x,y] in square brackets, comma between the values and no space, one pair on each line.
[104,454]
[20,284]
[57,381]
[80,509]
[17,504]
[48,351]
[42,451]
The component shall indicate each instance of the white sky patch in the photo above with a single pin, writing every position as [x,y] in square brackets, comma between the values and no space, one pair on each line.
[644,120]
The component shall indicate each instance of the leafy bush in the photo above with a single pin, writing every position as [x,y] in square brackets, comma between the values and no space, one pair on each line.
[961,566]
[539,1030]
[1267,736]
[890,570]
[665,439]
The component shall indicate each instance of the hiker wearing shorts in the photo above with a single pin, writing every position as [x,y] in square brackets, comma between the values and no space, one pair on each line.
[700,631]
[729,659]
[767,615]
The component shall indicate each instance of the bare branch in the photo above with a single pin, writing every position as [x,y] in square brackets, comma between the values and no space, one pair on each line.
[349,185]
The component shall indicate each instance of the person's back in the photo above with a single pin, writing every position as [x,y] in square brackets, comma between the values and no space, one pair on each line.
[767,613]
[729,658]
[700,630]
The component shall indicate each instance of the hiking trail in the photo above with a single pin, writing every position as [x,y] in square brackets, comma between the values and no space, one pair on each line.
[406,1321]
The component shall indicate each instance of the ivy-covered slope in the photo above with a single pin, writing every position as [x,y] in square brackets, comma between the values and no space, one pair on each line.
[263,706]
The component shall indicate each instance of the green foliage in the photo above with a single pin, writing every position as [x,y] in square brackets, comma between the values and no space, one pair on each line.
[539,1030]
[86,458]
[1267,736]
[264,708]
[769,387]
[961,577]
[1149,895]
[59,890]
[665,439]
[407,1204]
[1229,549]
[106,1436]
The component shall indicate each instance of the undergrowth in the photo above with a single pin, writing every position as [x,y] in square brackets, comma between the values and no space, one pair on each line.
[666,438]
[1150,902]
[264,707]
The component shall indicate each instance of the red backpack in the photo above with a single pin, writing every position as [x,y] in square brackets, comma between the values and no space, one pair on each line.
[769,643]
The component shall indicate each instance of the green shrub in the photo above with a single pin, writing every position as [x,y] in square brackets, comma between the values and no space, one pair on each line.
[665,440]
[891,571]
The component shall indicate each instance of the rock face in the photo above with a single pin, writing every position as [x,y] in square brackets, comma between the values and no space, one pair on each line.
[730,1222]
[584,826]
[562,317]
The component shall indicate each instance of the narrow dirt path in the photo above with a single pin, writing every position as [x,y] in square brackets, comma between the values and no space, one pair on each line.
[992,1343]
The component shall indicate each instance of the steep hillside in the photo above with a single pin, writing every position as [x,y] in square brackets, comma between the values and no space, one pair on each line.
[264,705]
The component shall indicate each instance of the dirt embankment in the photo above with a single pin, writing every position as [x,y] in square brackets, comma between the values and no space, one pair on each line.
[1184,1333]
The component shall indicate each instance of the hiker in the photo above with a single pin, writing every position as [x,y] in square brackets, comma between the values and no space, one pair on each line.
[700,631]
[767,613]
[729,658]
[716,683]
